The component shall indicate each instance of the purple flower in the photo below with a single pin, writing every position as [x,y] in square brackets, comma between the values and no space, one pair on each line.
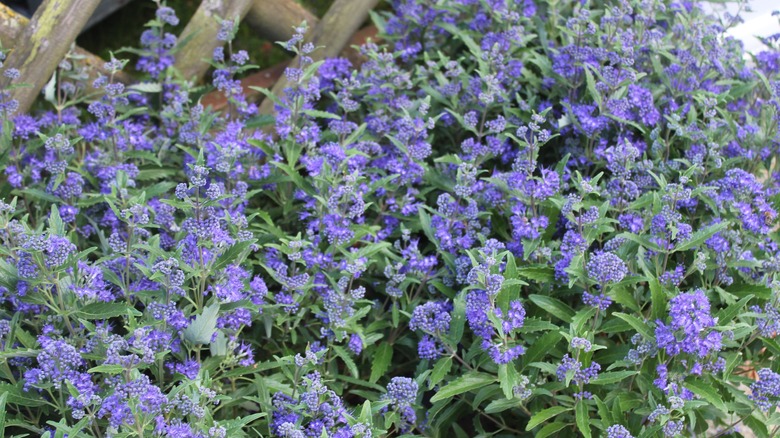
[642,101]
[502,354]
[355,344]
[765,392]
[402,394]
[689,330]
[429,348]
[768,320]
[317,410]
[189,368]
[631,222]
[432,317]
[58,362]
[91,284]
[618,431]
[232,286]
[606,267]
[477,307]
[571,368]
[602,301]
[673,428]
[673,278]
[167,15]
[581,344]
[515,316]
[140,397]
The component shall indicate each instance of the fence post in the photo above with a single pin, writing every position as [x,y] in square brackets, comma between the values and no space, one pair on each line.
[12,24]
[41,45]
[332,33]
[199,37]
[274,19]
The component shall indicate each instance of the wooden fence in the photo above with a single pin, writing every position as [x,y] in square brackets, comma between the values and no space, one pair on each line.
[38,44]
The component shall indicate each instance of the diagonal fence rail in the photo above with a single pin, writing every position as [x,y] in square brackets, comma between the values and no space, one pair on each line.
[43,42]
[40,43]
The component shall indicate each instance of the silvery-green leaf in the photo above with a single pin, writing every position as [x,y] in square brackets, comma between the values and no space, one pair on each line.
[202,328]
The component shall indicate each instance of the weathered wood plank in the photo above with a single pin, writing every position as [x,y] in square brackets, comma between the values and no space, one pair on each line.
[199,38]
[275,19]
[106,8]
[331,35]
[44,42]
[12,24]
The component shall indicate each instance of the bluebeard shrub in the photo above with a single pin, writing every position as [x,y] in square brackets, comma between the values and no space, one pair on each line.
[513,218]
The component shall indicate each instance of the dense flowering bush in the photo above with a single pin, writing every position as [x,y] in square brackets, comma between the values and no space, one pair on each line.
[515,218]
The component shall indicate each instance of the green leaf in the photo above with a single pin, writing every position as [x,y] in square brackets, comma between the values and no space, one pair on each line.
[146,87]
[56,226]
[532,325]
[218,347]
[321,114]
[757,426]
[542,345]
[553,306]
[378,20]
[550,429]
[238,424]
[657,298]
[234,253]
[341,353]
[365,413]
[267,93]
[508,292]
[581,318]
[356,135]
[458,322]
[502,405]
[468,382]
[539,273]
[741,290]
[38,195]
[21,335]
[640,326]
[708,393]
[617,409]
[641,240]
[154,173]
[591,84]
[425,224]
[544,415]
[701,236]
[440,371]
[603,410]
[3,398]
[612,377]
[48,92]
[107,369]
[381,363]
[63,430]
[583,419]
[621,295]
[105,311]
[474,48]
[507,377]
[16,395]
[726,315]
[772,345]
[203,327]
